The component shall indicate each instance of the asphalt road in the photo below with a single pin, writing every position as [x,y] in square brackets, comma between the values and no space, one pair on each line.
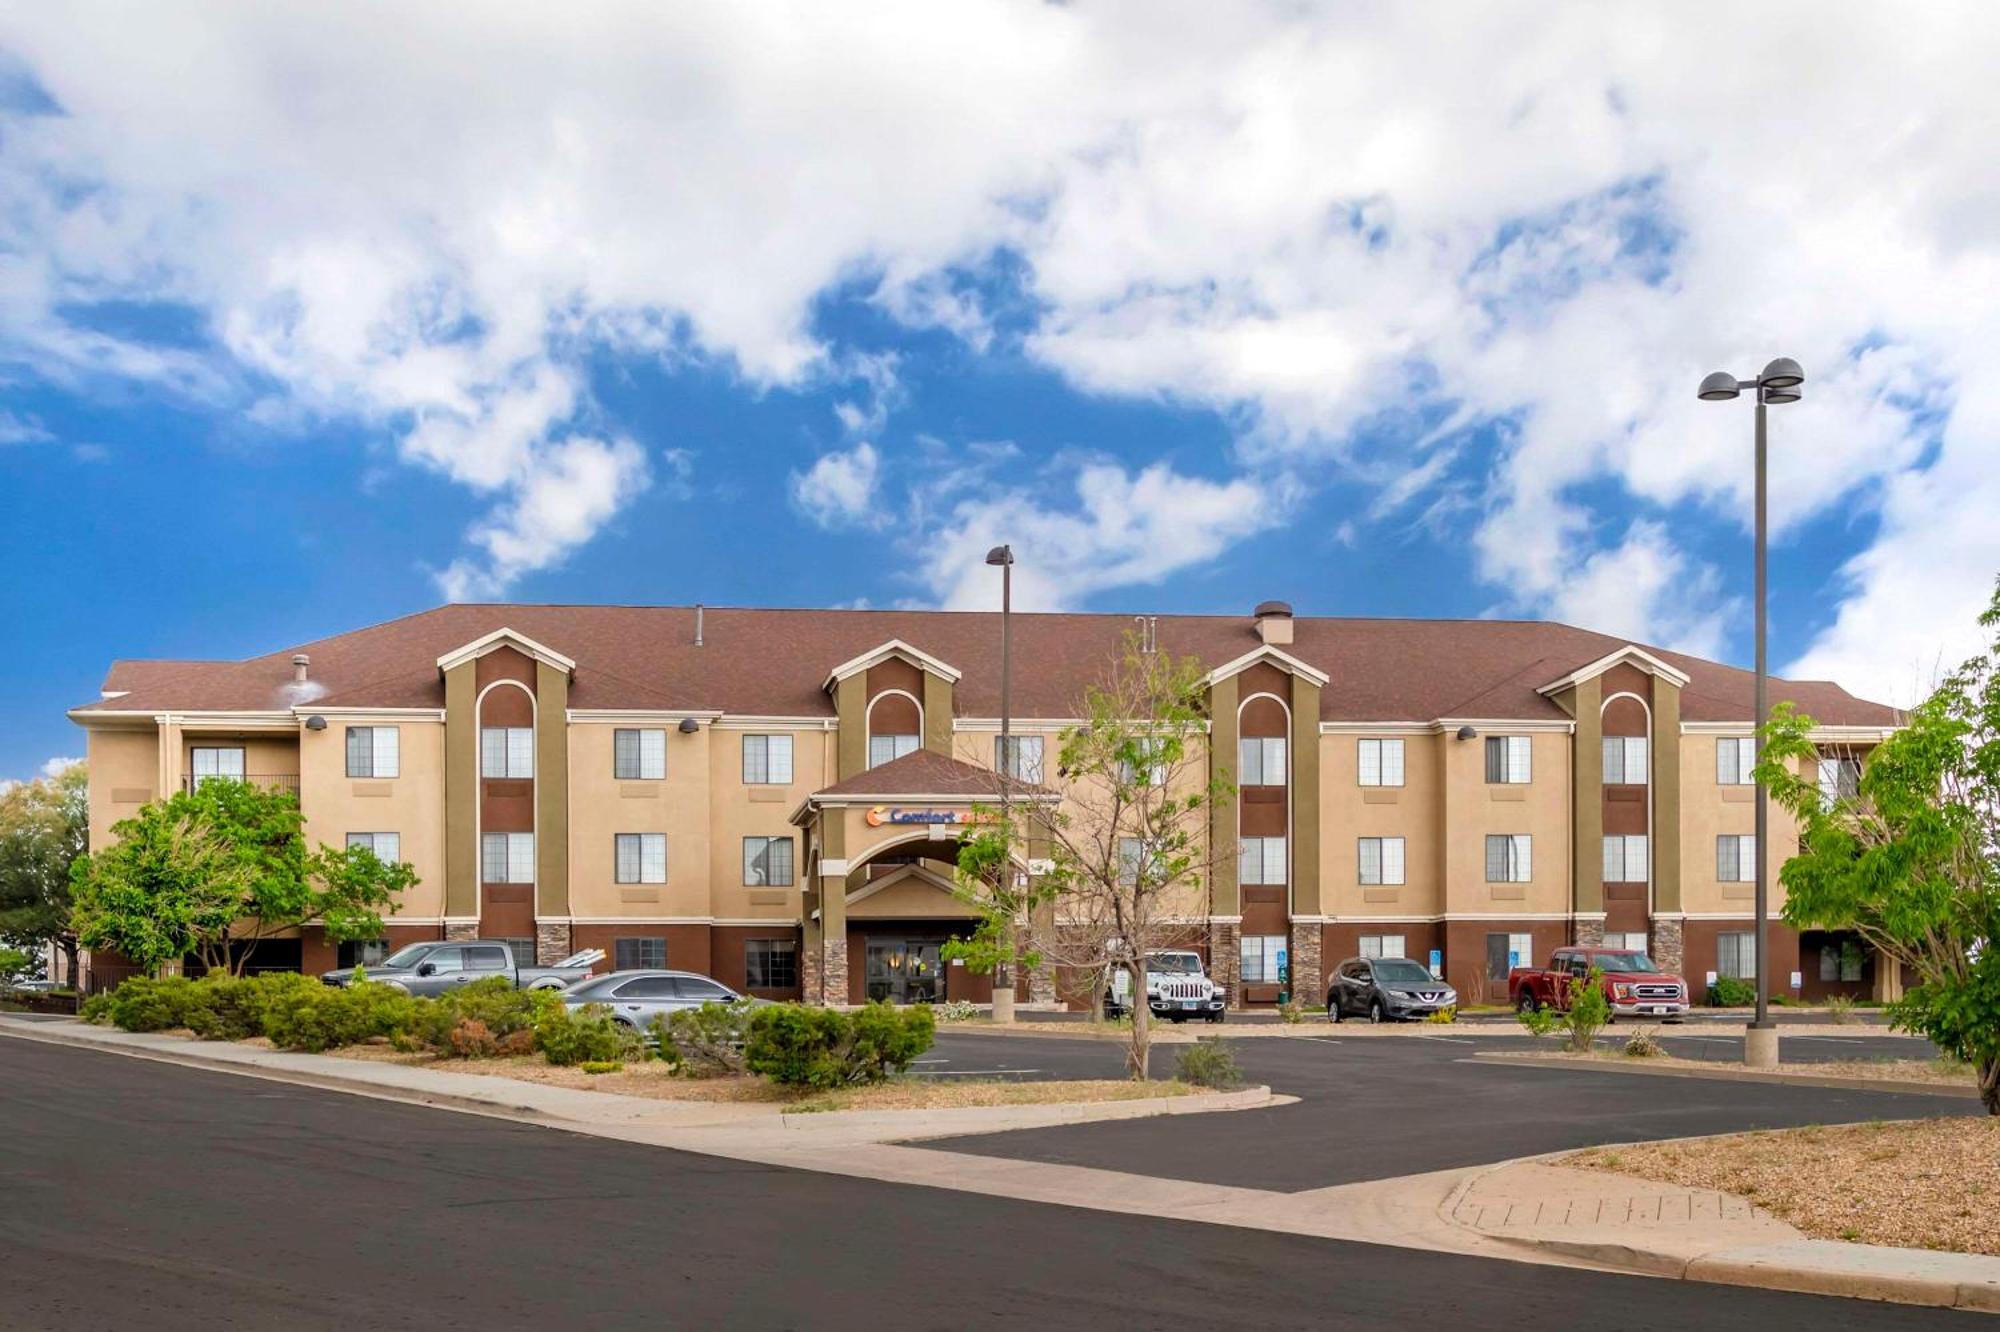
[145,1195]
[1377,1107]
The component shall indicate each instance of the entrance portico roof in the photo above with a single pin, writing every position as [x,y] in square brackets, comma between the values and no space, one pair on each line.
[921,777]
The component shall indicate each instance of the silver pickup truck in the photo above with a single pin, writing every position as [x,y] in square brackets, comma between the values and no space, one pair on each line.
[443,965]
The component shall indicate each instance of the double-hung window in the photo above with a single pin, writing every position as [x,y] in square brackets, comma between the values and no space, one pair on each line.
[374,751]
[1131,854]
[1625,859]
[507,751]
[1736,954]
[1735,756]
[388,847]
[1263,959]
[887,748]
[1260,761]
[1019,756]
[639,754]
[1509,858]
[1839,779]
[767,862]
[1384,945]
[207,761]
[1504,952]
[1507,759]
[639,952]
[508,857]
[1736,858]
[642,857]
[1381,860]
[770,964]
[1261,860]
[1148,769]
[1624,760]
[767,760]
[1381,763]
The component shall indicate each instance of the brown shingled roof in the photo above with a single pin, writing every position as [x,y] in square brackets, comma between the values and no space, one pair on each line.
[774,663]
[925,772]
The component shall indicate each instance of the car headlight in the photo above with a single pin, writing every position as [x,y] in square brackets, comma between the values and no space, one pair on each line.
[1622,991]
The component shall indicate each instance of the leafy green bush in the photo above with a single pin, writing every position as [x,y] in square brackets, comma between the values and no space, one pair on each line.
[1840,1009]
[1292,1011]
[1539,1021]
[955,1010]
[1444,1017]
[493,1003]
[233,1008]
[1641,1045]
[595,1066]
[14,966]
[582,1035]
[96,1010]
[704,1042]
[820,1047]
[1208,1063]
[1589,1010]
[1731,992]
[147,1003]
[322,1017]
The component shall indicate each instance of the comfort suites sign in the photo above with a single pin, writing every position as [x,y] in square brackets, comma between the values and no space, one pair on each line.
[891,815]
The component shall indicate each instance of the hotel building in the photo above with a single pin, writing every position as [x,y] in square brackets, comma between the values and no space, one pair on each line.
[771,797]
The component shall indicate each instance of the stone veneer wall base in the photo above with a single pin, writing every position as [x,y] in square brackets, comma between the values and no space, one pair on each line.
[1307,986]
[1225,959]
[461,929]
[1669,944]
[551,942]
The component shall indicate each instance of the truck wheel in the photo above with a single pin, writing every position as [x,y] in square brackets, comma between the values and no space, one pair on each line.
[1215,1017]
[1526,1003]
[1377,1013]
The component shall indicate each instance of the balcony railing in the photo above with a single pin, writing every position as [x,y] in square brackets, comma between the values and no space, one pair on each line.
[279,781]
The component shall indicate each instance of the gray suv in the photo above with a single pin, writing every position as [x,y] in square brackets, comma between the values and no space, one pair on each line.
[635,998]
[1386,989]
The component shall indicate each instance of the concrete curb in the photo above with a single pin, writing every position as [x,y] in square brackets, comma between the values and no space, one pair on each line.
[1723,1073]
[919,1125]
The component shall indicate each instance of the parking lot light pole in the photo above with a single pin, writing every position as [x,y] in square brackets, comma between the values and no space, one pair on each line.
[1003,558]
[1780,382]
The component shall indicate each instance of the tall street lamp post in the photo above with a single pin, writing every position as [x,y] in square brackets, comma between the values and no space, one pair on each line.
[1779,382]
[1003,556]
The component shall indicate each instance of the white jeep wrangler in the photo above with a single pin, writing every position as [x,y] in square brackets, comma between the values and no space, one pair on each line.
[1177,989]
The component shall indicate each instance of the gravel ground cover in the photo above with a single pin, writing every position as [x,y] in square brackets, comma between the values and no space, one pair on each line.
[1918,1184]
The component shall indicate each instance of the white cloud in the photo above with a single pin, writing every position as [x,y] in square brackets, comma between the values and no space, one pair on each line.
[1326,223]
[22,430]
[564,493]
[839,490]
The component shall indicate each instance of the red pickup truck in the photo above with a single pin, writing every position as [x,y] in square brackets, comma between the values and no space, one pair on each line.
[1635,987]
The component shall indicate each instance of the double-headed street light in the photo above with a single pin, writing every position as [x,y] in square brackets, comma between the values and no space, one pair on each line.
[1779,382]
[1003,558]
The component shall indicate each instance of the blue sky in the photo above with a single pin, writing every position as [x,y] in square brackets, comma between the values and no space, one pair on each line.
[298,334]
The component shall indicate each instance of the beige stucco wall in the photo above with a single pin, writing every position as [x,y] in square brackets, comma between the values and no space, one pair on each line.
[738,810]
[601,807]
[1350,811]
[1473,809]
[1710,810]
[410,804]
[124,774]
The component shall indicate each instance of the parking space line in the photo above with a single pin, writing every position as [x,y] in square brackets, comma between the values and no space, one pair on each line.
[1455,1040]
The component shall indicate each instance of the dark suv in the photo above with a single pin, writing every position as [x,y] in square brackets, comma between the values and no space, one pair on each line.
[1386,989]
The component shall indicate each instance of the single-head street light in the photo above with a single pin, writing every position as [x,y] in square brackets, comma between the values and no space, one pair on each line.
[1003,558]
[1780,382]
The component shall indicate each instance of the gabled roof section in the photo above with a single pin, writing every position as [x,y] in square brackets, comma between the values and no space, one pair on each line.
[926,774]
[1629,655]
[1284,661]
[505,637]
[895,647]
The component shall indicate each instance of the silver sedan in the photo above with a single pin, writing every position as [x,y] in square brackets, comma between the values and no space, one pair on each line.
[635,998]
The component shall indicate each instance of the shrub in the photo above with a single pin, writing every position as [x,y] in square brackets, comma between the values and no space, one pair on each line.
[819,1047]
[1444,1017]
[322,1017]
[96,1010]
[704,1042]
[146,1003]
[1641,1045]
[493,1003]
[1840,1009]
[14,966]
[601,1066]
[955,1010]
[582,1035]
[234,1008]
[1730,992]
[472,1039]
[1539,1021]
[1292,1011]
[1588,1011]
[1208,1063]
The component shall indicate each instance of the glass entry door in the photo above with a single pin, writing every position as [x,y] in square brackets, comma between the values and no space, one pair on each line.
[905,971]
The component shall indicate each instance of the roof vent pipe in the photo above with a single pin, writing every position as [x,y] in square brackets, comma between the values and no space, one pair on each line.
[299,663]
[697,623]
[1274,623]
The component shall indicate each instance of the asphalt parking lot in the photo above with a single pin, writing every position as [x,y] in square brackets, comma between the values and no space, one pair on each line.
[1378,1107]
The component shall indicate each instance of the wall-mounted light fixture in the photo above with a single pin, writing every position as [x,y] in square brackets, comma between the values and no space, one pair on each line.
[315,723]
[1468,733]
[689,726]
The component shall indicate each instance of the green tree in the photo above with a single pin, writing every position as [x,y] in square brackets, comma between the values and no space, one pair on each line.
[1910,860]
[211,872]
[1129,855]
[44,827]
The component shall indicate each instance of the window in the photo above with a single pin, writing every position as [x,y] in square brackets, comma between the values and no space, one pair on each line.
[208,762]
[1381,763]
[767,760]
[1624,760]
[1632,942]
[1383,945]
[770,964]
[1839,779]
[700,990]
[886,748]
[638,755]
[1019,756]
[1155,772]
[507,751]
[444,960]
[649,987]
[1509,858]
[1261,860]
[1840,961]
[361,953]
[509,858]
[373,751]
[1131,851]
[1381,860]
[649,951]
[1736,859]
[767,862]
[1734,757]
[1260,761]
[642,857]
[1625,859]
[388,847]
[1263,959]
[1736,954]
[1507,758]
[1504,952]
[499,956]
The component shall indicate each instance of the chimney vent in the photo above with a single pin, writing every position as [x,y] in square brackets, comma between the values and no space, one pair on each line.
[1274,623]
[299,663]
[697,623]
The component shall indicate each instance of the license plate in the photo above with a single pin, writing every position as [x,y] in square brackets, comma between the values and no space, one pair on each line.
[1662,1008]
[1190,1003]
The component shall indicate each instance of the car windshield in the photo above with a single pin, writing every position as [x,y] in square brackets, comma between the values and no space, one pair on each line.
[407,956]
[1400,969]
[1609,962]
[1174,964]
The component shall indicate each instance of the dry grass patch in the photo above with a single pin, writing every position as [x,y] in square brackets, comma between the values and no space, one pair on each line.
[1935,1072]
[1924,1184]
